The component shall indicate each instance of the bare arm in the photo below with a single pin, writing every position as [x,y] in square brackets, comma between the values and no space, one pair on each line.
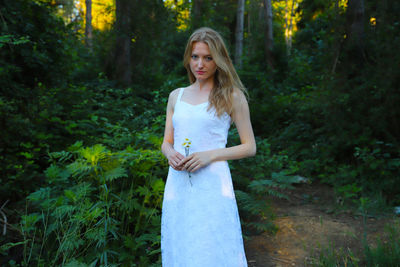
[241,118]
[247,148]
[167,146]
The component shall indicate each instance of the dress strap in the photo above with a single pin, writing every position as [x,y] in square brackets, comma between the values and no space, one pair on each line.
[178,99]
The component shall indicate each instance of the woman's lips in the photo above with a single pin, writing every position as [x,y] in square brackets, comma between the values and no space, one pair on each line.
[200,72]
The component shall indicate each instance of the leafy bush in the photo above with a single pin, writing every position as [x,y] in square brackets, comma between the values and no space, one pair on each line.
[270,175]
[331,257]
[97,207]
[101,204]
[37,53]
[385,253]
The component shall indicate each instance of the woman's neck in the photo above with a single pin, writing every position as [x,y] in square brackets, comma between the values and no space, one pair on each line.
[204,85]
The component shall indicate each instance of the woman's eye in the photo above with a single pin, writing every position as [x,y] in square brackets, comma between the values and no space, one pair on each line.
[194,56]
[209,58]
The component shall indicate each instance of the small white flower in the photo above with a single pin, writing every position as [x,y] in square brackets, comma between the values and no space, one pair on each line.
[186,145]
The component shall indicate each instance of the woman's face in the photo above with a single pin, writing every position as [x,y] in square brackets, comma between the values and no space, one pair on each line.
[202,64]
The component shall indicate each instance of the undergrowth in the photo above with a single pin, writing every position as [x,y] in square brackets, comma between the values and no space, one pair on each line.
[386,252]
[100,205]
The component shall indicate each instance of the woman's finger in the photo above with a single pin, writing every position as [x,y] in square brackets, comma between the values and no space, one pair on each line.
[185,160]
[196,168]
[170,163]
[174,164]
[176,168]
[197,165]
[191,164]
[176,161]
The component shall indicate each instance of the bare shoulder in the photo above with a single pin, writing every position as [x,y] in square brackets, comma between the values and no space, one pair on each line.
[174,93]
[239,98]
[239,104]
[172,97]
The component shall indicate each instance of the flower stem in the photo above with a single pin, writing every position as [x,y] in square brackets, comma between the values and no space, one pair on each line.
[190,175]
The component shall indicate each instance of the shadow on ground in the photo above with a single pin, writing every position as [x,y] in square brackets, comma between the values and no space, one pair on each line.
[306,224]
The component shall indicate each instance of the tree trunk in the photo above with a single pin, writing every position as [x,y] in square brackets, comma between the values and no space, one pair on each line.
[249,35]
[88,25]
[338,46]
[269,39]
[382,10]
[290,29]
[286,21]
[196,13]
[355,23]
[123,43]
[239,34]
[355,31]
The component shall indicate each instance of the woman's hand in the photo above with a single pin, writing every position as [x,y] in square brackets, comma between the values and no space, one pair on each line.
[195,161]
[174,159]
[167,147]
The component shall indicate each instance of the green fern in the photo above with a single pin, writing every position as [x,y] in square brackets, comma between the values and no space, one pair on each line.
[93,198]
[94,154]
[118,172]
[80,168]
[271,175]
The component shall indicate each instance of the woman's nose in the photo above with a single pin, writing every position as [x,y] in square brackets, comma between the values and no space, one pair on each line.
[200,62]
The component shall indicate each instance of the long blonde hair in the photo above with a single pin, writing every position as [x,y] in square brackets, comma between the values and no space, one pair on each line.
[225,79]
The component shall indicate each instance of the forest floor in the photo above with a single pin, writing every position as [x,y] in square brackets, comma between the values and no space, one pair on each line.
[309,222]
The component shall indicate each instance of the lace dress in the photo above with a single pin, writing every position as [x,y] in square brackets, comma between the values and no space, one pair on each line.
[200,222]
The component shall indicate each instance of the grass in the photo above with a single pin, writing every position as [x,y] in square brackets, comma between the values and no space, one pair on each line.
[386,253]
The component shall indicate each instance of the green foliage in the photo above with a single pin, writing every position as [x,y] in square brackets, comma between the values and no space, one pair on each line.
[385,253]
[322,113]
[97,206]
[333,112]
[12,40]
[37,53]
[331,257]
[270,176]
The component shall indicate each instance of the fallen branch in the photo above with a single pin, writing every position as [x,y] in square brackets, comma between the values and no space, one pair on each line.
[281,260]
[4,218]
[11,227]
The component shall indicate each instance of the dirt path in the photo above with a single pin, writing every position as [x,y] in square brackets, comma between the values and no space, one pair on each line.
[305,225]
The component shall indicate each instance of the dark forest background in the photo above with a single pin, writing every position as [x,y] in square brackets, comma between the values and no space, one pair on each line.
[84,86]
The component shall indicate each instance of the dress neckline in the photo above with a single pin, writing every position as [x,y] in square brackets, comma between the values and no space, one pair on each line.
[193,105]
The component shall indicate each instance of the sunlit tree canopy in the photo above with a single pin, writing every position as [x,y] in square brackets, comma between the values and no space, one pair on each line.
[103,13]
[182,11]
[285,11]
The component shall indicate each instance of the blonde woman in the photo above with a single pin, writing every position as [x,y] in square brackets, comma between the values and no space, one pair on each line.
[200,221]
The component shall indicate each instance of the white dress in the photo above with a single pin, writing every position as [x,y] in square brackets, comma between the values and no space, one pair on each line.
[200,224]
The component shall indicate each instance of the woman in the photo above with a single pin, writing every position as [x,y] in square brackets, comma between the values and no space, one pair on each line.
[200,221]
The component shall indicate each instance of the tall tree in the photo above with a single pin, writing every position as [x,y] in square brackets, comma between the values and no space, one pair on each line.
[239,33]
[290,29]
[196,13]
[355,27]
[123,43]
[339,42]
[88,25]
[268,39]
